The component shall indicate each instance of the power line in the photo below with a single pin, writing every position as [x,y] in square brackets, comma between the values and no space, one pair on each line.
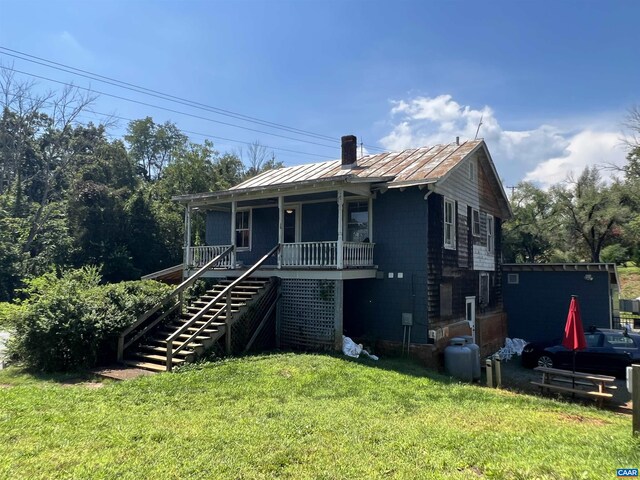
[172,110]
[206,135]
[156,93]
[111,115]
[165,96]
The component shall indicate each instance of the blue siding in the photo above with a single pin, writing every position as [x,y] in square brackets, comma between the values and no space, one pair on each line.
[264,235]
[319,222]
[264,232]
[374,307]
[218,231]
[537,306]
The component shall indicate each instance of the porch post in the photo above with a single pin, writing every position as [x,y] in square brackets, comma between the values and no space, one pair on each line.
[280,228]
[233,234]
[370,218]
[187,239]
[340,222]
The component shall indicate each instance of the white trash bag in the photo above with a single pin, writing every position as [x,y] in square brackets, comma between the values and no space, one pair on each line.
[353,349]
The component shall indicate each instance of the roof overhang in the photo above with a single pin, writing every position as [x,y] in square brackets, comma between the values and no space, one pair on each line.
[348,183]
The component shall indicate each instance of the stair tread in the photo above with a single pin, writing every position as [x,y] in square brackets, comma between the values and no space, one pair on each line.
[191,345]
[155,348]
[159,358]
[145,365]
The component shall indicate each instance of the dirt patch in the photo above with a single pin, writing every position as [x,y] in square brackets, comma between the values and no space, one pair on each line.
[83,384]
[5,385]
[118,372]
[472,469]
[567,417]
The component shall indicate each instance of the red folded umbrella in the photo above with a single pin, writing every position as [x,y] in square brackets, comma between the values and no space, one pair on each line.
[574,338]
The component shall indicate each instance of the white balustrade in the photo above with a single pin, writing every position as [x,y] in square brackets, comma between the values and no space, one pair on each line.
[199,256]
[297,255]
[358,254]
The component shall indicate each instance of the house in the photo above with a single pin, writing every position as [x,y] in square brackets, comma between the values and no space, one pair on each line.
[535,320]
[395,248]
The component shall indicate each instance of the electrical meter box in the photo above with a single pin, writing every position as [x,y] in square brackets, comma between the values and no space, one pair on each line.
[407,319]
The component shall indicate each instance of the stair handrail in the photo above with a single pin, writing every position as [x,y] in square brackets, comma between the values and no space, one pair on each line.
[225,292]
[177,291]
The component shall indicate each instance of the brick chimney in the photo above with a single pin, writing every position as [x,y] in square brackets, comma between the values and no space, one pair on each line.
[349,151]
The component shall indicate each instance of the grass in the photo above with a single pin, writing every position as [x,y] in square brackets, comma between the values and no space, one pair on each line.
[301,416]
[629,282]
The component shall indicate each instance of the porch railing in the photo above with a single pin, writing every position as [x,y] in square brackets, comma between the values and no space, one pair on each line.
[310,254]
[358,254]
[199,256]
[300,255]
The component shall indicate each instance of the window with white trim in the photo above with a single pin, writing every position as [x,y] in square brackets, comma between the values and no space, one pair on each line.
[490,245]
[475,222]
[358,221]
[243,230]
[449,224]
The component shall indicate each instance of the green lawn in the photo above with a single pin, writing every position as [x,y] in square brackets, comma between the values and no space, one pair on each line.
[629,282]
[301,416]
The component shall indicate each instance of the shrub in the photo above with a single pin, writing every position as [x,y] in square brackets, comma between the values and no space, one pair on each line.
[9,315]
[615,253]
[72,322]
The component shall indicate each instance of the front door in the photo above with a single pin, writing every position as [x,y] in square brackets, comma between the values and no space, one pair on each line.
[291,225]
[471,315]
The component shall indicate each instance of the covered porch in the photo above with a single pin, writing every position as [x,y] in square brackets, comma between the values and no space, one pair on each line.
[324,228]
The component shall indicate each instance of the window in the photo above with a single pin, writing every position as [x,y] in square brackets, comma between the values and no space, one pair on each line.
[472,171]
[619,341]
[449,224]
[446,300]
[243,230]
[475,222]
[357,221]
[513,278]
[484,289]
[489,233]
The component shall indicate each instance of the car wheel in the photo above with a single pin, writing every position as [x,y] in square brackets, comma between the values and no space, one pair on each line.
[545,361]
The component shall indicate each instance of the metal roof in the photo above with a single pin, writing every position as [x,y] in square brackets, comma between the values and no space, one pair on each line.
[416,166]
[424,164]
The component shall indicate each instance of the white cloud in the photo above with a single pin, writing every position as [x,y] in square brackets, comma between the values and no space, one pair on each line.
[544,154]
[586,148]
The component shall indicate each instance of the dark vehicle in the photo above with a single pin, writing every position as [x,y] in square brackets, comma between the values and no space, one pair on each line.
[608,351]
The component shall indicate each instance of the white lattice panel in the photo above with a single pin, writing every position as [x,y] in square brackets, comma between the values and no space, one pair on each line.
[307,315]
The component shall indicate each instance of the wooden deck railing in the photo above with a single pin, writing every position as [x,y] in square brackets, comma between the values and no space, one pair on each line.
[172,302]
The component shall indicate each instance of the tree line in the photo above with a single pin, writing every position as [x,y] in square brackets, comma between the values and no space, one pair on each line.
[70,195]
[582,218]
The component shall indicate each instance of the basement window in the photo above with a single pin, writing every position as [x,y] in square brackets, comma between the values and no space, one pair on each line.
[484,289]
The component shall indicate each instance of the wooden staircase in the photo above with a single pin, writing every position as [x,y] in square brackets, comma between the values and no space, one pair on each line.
[151,352]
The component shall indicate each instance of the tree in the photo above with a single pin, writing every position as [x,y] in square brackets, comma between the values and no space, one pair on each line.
[590,211]
[528,237]
[153,146]
[256,159]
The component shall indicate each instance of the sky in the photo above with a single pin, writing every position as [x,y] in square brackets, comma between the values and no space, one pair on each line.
[551,80]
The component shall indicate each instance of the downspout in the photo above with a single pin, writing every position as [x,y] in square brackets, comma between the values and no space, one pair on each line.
[426,198]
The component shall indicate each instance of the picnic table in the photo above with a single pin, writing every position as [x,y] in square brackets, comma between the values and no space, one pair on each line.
[587,384]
